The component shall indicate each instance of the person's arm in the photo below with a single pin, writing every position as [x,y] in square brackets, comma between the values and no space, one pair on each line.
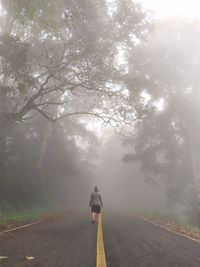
[90,204]
[101,200]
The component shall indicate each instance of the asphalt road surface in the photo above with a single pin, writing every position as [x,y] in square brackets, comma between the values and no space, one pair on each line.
[71,242]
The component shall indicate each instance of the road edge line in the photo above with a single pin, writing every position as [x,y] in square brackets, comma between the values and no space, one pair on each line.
[19,227]
[171,231]
[101,257]
[22,226]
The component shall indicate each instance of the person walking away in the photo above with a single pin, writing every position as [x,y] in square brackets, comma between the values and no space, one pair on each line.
[96,204]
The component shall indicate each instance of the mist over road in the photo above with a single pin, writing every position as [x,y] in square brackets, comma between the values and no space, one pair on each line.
[132,242]
[71,241]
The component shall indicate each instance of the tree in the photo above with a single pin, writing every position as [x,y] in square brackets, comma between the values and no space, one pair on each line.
[28,179]
[167,144]
[59,58]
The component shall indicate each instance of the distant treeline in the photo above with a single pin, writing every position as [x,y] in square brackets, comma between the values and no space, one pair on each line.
[41,163]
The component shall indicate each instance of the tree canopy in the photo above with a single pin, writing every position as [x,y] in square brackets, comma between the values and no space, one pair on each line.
[167,143]
[60,58]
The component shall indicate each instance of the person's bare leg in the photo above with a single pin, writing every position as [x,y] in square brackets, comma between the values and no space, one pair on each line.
[97,217]
[93,216]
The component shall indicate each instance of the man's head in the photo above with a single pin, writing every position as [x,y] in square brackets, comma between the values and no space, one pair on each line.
[96,189]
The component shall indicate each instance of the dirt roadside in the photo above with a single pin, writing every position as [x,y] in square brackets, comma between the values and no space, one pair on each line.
[184,230]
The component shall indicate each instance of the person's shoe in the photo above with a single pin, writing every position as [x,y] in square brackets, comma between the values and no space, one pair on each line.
[92,221]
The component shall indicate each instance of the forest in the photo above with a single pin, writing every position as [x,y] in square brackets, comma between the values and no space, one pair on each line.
[76,75]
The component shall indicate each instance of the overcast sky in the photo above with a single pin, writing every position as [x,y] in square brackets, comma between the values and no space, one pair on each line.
[165,8]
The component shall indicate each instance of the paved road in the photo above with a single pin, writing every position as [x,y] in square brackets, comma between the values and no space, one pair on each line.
[132,242]
[71,242]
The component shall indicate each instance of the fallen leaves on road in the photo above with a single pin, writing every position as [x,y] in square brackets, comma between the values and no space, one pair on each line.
[3,257]
[30,257]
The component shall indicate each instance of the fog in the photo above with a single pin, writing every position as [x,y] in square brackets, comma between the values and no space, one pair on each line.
[123,186]
[100,93]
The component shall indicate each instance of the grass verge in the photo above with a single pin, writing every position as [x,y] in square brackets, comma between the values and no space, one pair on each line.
[14,216]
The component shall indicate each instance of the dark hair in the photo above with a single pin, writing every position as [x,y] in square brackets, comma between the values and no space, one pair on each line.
[96,189]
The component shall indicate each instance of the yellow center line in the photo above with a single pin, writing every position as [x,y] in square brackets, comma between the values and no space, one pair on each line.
[101,258]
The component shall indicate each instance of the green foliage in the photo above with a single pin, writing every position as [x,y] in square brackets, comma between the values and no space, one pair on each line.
[11,216]
[13,53]
[41,163]
[166,144]
[44,13]
[67,51]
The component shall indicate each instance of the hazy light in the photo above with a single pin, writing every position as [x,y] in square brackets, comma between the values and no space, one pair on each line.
[166,8]
[160,104]
[146,97]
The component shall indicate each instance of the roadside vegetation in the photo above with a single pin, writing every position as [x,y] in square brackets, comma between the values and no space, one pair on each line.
[21,215]
[68,66]
[10,216]
[59,74]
